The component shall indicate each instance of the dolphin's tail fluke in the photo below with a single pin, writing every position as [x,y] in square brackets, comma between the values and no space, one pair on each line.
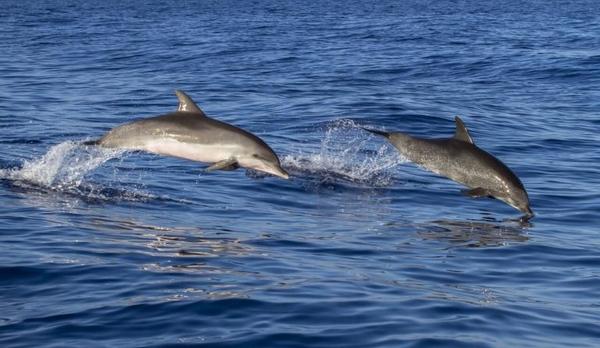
[91,142]
[378,132]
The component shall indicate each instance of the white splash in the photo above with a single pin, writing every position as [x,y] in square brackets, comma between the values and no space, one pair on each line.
[348,153]
[63,166]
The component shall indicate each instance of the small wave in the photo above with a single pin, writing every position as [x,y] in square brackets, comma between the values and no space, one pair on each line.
[347,154]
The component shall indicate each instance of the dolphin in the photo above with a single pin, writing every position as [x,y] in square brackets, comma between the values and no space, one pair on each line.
[459,159]
[188,133]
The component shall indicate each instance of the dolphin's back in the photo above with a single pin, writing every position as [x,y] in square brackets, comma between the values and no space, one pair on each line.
[458,160]
[185,127]
[186,135]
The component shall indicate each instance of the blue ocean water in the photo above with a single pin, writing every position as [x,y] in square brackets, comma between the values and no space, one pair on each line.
[360,248]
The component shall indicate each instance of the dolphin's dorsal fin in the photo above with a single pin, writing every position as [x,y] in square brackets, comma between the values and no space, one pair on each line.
[187,104]
[461,132]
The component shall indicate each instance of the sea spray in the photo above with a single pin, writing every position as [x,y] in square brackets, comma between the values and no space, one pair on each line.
[64,165]
[63,169]
[349,154]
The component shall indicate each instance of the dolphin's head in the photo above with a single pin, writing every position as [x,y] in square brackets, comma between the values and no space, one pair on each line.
[263,159]
[517,198]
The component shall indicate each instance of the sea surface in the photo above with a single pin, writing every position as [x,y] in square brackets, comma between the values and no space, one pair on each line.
[360,248]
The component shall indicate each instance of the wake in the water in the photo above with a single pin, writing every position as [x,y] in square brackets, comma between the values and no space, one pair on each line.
[63,166]
[63,169]
[347,154]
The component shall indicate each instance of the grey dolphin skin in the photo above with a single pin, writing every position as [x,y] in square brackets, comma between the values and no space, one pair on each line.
[459,159]
[188,133]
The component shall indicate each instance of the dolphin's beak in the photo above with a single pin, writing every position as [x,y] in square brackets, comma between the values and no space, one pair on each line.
[278,171]
[273,169]
[528,212]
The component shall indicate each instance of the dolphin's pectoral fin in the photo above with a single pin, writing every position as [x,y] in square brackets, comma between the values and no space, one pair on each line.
[231,167]
[477,192]
[228,164]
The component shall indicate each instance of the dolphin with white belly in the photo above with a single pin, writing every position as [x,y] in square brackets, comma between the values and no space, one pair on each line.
[459,159]
[188,133]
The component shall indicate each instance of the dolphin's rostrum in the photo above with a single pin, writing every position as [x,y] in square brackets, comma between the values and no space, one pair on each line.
[459,159]
[188,133]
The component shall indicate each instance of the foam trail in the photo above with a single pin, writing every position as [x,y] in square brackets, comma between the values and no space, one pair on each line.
[347,154]
[63,169]
[63,166]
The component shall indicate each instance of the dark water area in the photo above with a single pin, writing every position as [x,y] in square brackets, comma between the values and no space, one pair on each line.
[360,248]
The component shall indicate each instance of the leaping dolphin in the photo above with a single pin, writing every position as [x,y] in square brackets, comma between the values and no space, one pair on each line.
[188,133]
[459,159]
